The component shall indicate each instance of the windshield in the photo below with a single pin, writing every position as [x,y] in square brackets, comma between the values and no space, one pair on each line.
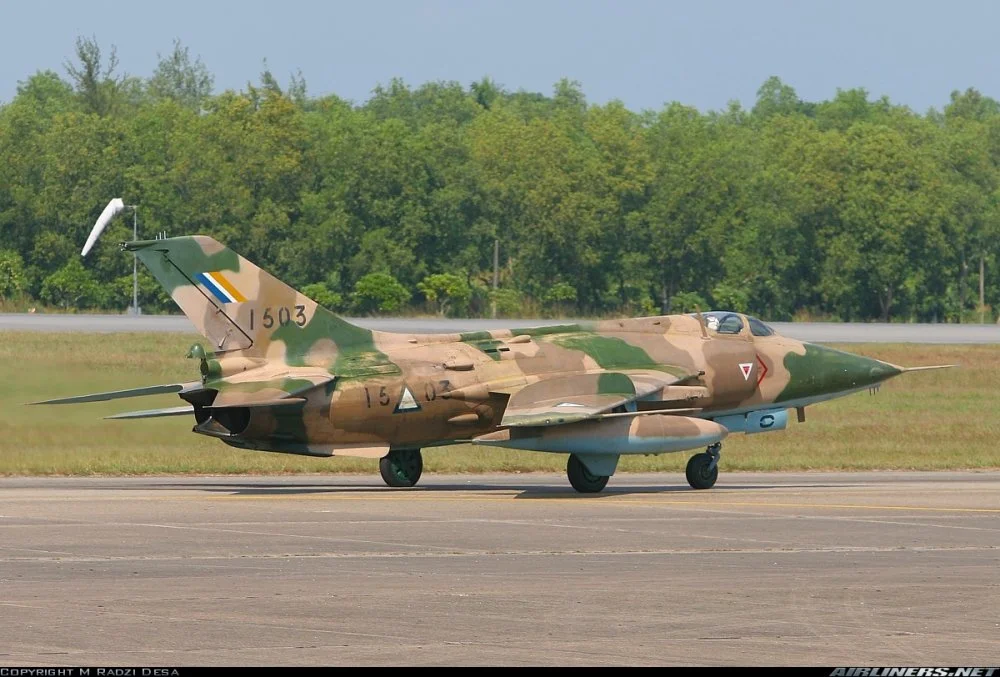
[723,322]
[728,322]
[758,328]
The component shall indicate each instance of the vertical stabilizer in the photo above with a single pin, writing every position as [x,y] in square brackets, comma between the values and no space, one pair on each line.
[238,306]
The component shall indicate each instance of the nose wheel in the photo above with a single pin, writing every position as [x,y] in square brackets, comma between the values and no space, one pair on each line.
[703,469]
[401,467]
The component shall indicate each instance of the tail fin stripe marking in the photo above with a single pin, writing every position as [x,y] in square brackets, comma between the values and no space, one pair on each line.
[213,286]
[220,287]
[228,286]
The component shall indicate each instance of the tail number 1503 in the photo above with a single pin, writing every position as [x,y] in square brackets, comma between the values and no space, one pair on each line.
[280,315]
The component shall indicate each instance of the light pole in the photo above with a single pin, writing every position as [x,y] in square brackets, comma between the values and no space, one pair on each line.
[115,207]
[135,259]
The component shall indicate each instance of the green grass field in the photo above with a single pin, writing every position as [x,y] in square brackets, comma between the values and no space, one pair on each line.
[934,420]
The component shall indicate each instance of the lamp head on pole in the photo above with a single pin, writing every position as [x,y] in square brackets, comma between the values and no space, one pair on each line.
[111,211]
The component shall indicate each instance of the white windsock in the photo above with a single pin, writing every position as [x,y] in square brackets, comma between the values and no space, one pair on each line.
[103,220]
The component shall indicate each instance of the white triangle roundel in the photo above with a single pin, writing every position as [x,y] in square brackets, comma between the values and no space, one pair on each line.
[407,402]
[746,368]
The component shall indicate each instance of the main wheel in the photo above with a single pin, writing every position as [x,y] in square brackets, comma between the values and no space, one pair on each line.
[582,479]
[401,467]
[702,471]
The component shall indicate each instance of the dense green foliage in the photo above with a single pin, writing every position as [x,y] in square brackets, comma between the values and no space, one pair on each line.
[849,208]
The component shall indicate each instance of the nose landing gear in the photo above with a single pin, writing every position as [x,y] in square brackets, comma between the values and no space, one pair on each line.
[703,469]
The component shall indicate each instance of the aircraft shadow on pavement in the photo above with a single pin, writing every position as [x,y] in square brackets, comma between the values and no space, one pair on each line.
[525,491]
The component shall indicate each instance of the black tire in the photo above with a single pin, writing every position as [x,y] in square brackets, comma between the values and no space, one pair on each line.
[698,474]
[582,479]
[401,467]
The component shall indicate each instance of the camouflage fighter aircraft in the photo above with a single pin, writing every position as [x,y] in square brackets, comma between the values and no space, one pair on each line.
[285,374]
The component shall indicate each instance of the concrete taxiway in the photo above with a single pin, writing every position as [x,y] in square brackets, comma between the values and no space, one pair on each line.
[771,569]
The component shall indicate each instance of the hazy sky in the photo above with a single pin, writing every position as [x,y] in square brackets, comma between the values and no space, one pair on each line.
[644,52]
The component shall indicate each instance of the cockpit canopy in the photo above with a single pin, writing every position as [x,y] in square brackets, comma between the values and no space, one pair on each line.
[727,322]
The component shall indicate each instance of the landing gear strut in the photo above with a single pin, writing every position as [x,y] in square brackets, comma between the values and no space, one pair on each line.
[703,469]
[582,479]
[401,467]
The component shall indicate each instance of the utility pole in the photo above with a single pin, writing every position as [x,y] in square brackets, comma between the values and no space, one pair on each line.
[135,261]
[982,287]
[496,273]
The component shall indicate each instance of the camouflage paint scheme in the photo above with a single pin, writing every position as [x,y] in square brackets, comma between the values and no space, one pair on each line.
[283,374]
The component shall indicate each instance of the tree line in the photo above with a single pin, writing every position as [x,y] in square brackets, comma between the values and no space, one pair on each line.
[852,208]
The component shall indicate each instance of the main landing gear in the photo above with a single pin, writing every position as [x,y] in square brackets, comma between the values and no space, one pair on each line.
[703,469]
[401,467]
[582,479]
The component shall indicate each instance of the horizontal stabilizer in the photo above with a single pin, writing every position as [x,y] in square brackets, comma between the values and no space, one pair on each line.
[120,394]
[156,413]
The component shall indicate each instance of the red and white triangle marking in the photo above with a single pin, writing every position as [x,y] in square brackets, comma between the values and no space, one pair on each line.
[746,368]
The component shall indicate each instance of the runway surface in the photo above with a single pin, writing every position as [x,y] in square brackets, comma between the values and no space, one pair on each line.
[821,332]
[769,569]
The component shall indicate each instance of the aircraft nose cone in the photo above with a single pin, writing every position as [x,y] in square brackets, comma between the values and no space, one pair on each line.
[881,371]
[825,371]
[847,370]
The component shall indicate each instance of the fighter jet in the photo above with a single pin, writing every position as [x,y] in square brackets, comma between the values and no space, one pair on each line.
[283,374]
